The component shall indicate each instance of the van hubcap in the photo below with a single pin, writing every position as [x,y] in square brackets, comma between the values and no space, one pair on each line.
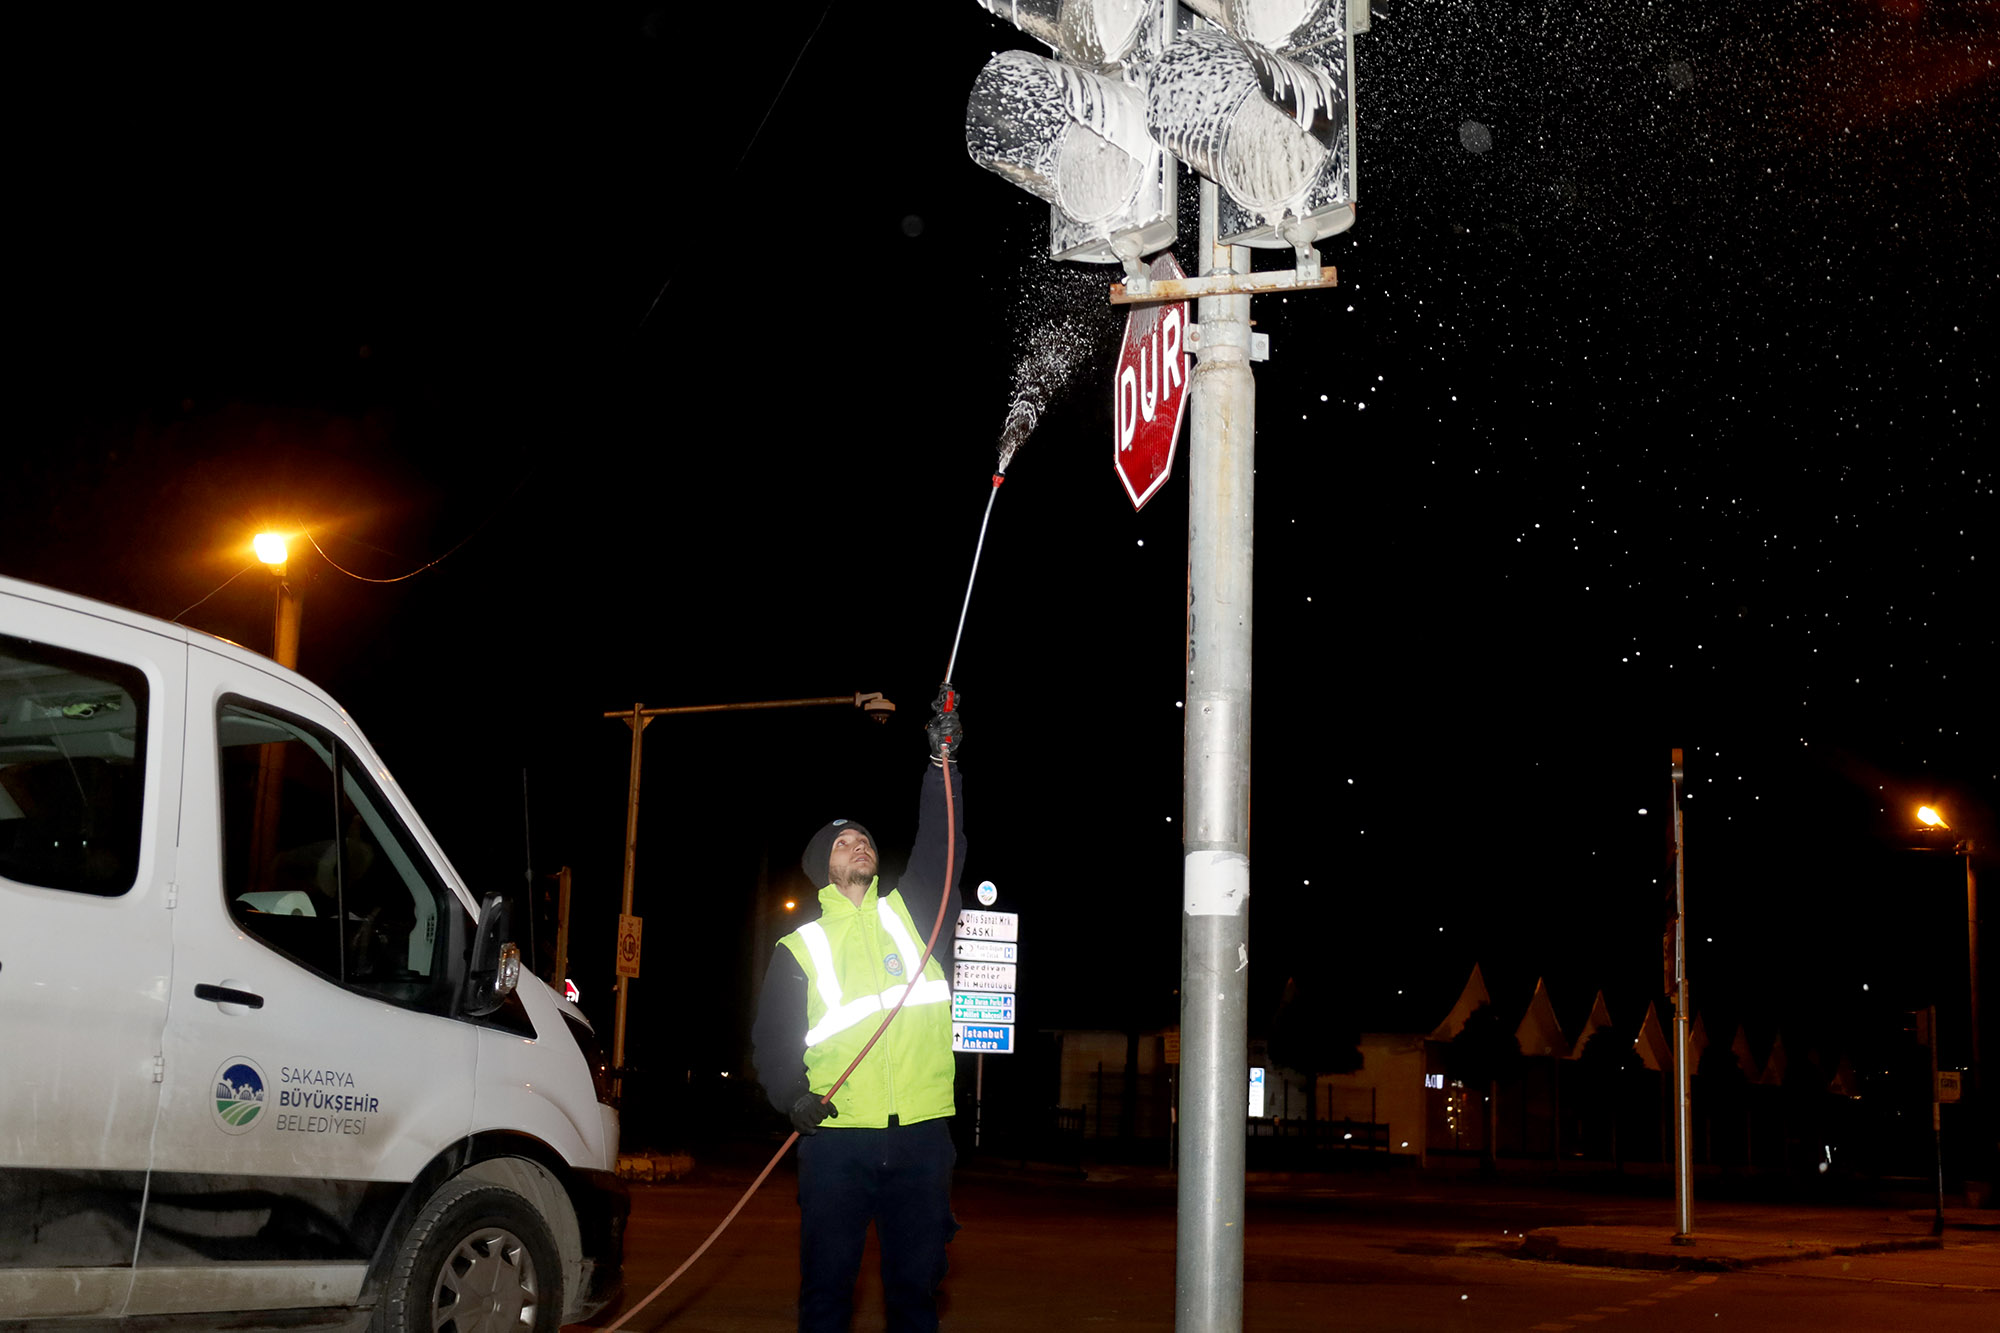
[487,1286]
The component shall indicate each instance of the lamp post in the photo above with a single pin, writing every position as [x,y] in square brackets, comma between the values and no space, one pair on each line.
[638,717]
[1683,1126]
[1932,818]
[275,551]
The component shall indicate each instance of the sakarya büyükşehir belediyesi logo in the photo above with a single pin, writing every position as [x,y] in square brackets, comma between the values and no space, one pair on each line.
[239,1094]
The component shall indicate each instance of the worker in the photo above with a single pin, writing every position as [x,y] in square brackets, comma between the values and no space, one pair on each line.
[880,1150]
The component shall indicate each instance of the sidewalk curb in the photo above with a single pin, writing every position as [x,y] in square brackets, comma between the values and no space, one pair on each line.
[653,1168]
[1743,1252]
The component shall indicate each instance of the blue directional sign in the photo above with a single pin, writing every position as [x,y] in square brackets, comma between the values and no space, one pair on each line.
[988,1038]
[984,959]
[969,1006]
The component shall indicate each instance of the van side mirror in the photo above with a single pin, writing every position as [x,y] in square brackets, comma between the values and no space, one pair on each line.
[496,962]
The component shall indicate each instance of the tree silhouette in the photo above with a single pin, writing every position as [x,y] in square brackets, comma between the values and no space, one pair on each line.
[1483,1053]
[1601,1064]
[1724,1089]
[1312,1034]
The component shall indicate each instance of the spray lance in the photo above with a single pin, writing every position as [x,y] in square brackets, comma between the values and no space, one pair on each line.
[1020,423]
[944,732]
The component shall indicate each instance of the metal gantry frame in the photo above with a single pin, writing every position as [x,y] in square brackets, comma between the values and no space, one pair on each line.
[638,717]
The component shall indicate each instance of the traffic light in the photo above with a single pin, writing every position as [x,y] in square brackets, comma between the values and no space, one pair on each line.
[1262,104]
[1255,95]
[1073,130]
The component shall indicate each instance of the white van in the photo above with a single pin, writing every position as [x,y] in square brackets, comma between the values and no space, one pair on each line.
[260,1047]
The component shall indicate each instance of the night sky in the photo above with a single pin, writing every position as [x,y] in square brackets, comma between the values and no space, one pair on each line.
[1655,407]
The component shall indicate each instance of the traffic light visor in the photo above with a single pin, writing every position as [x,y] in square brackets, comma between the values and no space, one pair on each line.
[1260,125]
[1063,134]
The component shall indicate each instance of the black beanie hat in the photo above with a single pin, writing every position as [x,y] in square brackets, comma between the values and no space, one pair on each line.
[814,862]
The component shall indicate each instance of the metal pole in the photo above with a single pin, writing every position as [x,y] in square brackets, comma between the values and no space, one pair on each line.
[1683,1128]
[1215,956]
[1983,1123]
[875,704]
[1937,1121]
[562,926]
[285,635]
[638,720]
[979,1094]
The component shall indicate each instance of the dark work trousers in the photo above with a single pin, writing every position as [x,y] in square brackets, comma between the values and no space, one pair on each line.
[899,1178]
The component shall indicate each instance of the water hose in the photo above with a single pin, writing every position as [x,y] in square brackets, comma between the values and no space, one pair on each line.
[916,975]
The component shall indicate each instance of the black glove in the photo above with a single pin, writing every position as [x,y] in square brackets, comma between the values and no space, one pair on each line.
[945,729]
[809,1110]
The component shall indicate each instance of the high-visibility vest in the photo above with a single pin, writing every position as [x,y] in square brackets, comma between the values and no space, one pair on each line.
[857,961]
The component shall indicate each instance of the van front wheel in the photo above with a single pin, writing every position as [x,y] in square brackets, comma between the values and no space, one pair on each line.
[478,1260]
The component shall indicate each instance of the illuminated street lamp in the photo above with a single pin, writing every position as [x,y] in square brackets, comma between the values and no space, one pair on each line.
[1935,823]
[274,550]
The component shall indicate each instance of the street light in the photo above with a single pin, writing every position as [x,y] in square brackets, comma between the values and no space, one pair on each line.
[1683,1009]
[1934,822]
[274,550]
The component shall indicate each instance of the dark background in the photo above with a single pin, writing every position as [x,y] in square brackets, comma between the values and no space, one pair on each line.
[1665,419]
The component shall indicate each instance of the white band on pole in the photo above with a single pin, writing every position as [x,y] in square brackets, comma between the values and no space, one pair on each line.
[1215,883]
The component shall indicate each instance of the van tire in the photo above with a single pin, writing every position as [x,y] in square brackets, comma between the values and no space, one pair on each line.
[474,1239]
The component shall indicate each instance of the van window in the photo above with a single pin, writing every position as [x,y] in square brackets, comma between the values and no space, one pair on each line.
[72,768]
[317,865]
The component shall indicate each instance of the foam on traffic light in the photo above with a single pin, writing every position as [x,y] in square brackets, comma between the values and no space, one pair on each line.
[1072,130]
[1262,105]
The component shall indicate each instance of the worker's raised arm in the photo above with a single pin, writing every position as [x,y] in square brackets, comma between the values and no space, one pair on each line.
[924,881]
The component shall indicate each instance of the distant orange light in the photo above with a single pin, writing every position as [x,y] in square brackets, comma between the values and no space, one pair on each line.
[790,905]
[1931,817]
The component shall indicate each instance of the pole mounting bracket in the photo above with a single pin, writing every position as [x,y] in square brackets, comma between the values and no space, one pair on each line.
[1223,284]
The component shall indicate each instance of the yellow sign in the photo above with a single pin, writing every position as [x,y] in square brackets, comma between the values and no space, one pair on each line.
[1173,1046]
[628,946]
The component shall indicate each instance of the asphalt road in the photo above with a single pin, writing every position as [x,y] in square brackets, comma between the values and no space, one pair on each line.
[1040,1253]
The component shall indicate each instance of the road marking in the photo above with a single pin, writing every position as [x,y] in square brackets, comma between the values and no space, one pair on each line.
[1704,1281]
[1585,1318]
[1549,1328]
[1612,1309]
[1641,1300]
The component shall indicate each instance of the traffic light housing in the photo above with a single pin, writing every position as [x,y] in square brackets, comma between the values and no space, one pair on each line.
[1260,101]
[1072,130]
[1255,95]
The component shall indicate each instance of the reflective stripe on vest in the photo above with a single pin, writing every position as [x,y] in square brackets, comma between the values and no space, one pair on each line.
[841,1016]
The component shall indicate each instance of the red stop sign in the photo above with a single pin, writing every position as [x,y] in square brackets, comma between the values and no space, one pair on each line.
[1149,391]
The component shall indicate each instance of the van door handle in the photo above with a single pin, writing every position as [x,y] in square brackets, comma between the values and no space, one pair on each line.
[227,995]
